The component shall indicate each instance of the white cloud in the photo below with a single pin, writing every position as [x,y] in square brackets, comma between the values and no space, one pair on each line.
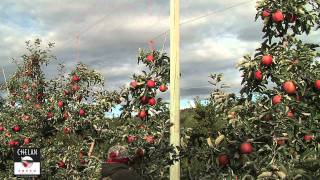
[114,30]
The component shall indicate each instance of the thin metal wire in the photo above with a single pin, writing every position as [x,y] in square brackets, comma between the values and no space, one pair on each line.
[89,27]
[204,16]
[214,12]
[102,18]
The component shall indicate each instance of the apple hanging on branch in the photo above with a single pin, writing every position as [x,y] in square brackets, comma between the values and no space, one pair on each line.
[246,148]
[258,75]
[152,101]
[163,88]
[276,99]
[223,160]
[142,114]
[1,128]
[277,16]
[60,104]
[266,60]
[16,128]
[317,84]
[289,87]
[75,78]
[27,140]
[151,84]
[265,13]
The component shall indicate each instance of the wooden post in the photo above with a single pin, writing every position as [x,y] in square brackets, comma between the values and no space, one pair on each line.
[175,83]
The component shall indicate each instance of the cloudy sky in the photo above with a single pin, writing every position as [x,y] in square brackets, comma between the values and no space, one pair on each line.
[111,32]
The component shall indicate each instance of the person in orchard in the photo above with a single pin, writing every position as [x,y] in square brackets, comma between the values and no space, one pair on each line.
[117,165]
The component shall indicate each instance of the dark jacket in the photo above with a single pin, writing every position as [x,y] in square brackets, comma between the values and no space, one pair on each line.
[118,171]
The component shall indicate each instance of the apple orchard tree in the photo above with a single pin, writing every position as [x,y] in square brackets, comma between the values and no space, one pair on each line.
[145,118]
[65,117]
[273,130]
[61,116]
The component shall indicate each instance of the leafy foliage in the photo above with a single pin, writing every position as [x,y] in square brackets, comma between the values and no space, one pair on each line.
[271,131]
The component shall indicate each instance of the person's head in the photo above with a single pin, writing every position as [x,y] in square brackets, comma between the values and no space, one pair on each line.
[118,154]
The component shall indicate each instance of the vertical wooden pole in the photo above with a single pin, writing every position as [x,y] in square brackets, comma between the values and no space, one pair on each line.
[175,83]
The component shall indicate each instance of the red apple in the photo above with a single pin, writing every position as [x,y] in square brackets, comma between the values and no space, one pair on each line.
[25,117]
[152,101]
[60,104]
[16,143]
[37,106]
[266,60]
[151,84]
[12,143]
[150,58]
[276,99]
[1,128]
[281,142]
[308,137]
[66,115]
[258,75]
[265,13]
[131,139]
[223,160]
[144,100]
[113,154]
[163,88]
[61,164]
[27,141]
[27,97]
[290,114]
[317,84]
[133,84]
[149,139]
[142,114]
[75,78]
[39,96]
[291,17]
[289,87]
[246,148]
[50,115]
[75,88]
[66,92]
[277,16]
[140,152]
[16,128]
[66,130]
[82,112]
